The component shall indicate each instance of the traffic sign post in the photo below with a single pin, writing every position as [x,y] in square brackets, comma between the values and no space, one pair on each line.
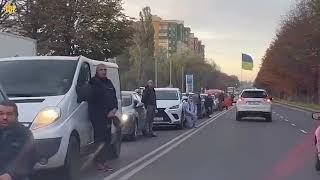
[189,83]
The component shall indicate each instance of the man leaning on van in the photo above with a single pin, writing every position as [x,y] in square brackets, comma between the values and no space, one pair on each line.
[103,105]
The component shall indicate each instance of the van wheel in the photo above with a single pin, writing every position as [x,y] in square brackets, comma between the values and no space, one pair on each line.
[72,162]
[115,147]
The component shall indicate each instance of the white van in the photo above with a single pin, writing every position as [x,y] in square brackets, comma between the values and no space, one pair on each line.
[44,88]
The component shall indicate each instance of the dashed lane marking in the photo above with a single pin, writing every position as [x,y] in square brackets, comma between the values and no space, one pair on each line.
[303,131]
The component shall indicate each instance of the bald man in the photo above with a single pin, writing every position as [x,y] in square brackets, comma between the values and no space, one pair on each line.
[103,105]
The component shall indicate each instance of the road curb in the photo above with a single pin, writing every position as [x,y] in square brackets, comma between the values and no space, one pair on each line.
[296,106]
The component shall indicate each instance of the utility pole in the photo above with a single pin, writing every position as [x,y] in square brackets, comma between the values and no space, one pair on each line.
[170,72]
[182,78]
[156,71]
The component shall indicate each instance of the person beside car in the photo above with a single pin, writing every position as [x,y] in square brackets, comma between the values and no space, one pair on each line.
[190,113]
[149,100]
[17,147]
[102,105]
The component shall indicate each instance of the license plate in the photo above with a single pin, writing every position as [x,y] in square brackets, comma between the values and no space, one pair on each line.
[254,103]
[158,118]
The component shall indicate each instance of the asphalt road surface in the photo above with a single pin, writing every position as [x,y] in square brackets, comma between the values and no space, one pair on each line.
[222,148]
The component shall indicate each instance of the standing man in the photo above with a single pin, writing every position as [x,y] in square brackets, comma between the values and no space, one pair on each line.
[17,149]
[149,100]
[103,105]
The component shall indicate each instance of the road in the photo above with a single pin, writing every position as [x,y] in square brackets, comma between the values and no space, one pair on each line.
[223,149]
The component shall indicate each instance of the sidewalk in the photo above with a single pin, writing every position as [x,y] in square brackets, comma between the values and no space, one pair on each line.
[307,107]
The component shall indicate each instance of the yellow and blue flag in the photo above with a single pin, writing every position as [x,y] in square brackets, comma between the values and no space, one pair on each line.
[247,62]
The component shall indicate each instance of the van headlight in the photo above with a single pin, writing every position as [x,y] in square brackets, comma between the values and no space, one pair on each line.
[46,117]
[124,118]
[175,107]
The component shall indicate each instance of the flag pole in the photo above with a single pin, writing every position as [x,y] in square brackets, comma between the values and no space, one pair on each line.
[241,74]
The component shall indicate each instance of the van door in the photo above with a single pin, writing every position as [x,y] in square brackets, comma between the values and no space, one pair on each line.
[85,127]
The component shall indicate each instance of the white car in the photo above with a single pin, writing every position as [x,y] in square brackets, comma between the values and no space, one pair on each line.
[169,107]
[46,90]
[254,103]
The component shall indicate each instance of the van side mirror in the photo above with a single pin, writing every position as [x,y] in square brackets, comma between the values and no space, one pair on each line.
[316,116]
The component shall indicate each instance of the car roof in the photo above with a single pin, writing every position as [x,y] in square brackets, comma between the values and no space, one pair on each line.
[43,58]
[166,89]
[64,58]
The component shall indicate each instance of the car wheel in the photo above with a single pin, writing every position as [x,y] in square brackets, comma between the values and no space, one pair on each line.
[238,116]
[269,117]
[134,134]
[115,146]
[71,168]
[181,124]
[317,163]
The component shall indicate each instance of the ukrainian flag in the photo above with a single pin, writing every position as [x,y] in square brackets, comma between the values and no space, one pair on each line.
[247,62]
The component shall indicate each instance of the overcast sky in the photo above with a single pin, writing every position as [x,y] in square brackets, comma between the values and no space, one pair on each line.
[226,27]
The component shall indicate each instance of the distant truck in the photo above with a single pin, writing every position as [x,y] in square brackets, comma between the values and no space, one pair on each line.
[13,45]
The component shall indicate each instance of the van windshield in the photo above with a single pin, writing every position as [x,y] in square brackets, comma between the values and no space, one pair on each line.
[33,78]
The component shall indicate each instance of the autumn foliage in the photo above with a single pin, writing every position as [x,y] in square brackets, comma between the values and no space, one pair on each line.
[290,67]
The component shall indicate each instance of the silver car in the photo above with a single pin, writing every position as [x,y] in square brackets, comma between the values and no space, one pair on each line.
[134,115]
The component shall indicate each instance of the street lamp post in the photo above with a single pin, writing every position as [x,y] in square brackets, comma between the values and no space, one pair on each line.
[170,72]
[156,71]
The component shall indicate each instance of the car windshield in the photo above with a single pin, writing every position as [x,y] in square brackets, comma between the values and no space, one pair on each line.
[126,100]
[33,78]
[254,94]
[167,95]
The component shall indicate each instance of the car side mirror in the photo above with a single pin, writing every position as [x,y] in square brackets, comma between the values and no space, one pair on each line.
[316,116]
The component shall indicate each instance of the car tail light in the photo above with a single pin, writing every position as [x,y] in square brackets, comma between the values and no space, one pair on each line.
[241,100]
[267,100]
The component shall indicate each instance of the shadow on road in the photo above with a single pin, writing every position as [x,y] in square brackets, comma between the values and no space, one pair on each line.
[260,120]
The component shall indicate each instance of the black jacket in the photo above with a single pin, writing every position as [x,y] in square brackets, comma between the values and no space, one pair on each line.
[17,152]
[101,101]
[149,96]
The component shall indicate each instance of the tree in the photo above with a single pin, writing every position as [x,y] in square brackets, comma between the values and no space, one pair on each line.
[97,29]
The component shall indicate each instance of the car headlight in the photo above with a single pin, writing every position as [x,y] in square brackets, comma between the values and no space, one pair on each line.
[124,118]
[46,117]
[175,107]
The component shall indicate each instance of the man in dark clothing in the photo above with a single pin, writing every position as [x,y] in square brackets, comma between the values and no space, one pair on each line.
[17,149]
[221,100]
[208,105]
[149,100]
[103,105]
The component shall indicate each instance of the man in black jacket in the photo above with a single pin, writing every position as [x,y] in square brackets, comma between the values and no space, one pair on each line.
[17,149]
[103,105]
[149,100]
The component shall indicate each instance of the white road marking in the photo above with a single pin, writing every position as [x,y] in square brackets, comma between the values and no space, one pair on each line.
[287,120]
[303,131]
[145,164]
[118,172]
[281,117]
[274,112]
[293,124]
